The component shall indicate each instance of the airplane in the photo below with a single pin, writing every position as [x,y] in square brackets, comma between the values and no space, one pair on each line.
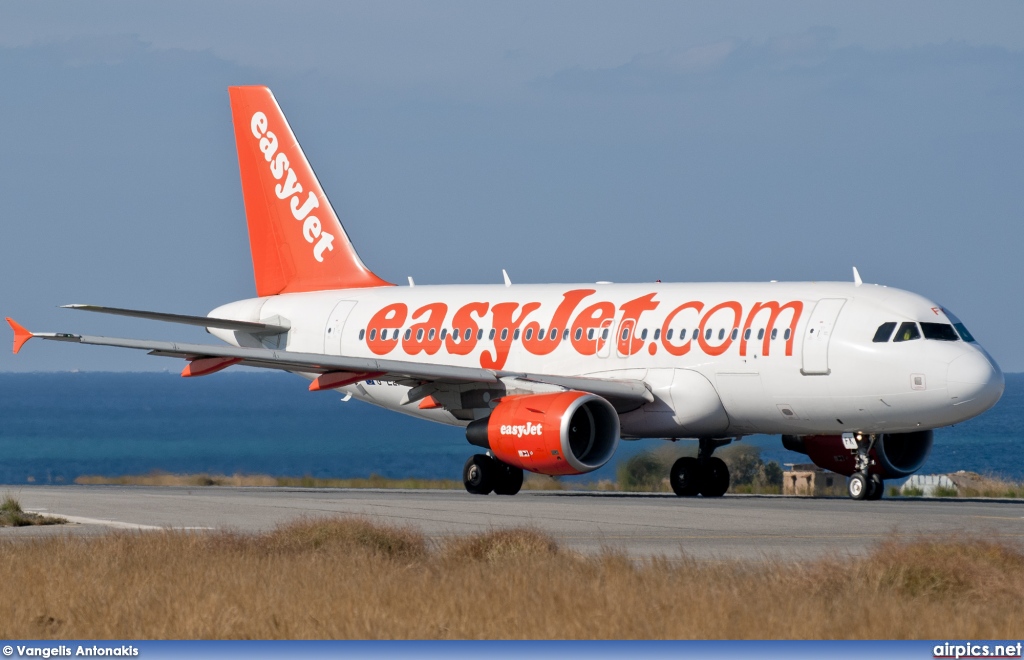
[548,378]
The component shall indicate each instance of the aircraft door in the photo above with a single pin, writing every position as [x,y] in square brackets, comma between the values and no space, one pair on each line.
[335,325]
[817,335]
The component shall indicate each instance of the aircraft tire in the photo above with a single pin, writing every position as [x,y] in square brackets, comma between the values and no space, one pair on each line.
[858,486]
[509,479]
[714,478]
[876,487]
[478,474]
[685,477]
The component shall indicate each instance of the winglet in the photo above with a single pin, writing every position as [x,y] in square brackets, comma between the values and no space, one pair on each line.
[856,277]
[21,335]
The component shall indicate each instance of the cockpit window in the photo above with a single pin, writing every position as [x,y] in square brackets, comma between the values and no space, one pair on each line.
[940,331]
[884,332]
[964,334]
[907,332]
[959,325]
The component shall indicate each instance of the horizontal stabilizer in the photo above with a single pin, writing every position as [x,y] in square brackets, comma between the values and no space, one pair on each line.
[202,321]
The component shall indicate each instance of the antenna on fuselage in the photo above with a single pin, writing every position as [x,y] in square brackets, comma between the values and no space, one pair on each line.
[508,282]
[411,283]
[856,277]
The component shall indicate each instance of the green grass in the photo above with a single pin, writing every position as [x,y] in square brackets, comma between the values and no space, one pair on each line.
[11,515]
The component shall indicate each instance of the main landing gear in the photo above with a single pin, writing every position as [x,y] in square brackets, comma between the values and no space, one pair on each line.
[863,485]
[483,474]
[706,474]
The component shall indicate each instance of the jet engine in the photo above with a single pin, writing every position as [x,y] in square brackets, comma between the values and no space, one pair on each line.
[893,456]
[558,433]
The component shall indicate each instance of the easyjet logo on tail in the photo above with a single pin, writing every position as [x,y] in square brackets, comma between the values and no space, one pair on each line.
[291,189]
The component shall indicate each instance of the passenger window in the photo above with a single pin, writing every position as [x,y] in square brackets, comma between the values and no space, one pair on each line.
[669,335]
[579,334]
[515,335]
[643,334]
[469,333]
[408,334]
[721,334]
[362,333]
[553,334]
[908,331]
[735,333]
[707,334]
[760,333]
[746,333]
[504,334]
[490,335]
[419,335]
[604,334]
[940,331]
[788,334]
[529,334]
[625,334]
[444,333]
[884,332]
[430,335]
[565,335]
[479,334]
[657,334]
[775,333]
[696,332]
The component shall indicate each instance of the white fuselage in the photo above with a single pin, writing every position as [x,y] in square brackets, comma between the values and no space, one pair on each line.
[721,359]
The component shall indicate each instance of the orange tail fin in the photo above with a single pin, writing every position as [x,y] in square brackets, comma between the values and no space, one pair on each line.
[297,241]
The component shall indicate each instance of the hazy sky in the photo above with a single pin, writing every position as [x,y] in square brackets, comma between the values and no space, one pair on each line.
[563,141]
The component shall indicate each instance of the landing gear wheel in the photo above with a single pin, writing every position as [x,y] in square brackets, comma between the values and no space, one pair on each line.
[714,478]
[685,477]
[479,474]
[509,479]
[858,486]
[876,487]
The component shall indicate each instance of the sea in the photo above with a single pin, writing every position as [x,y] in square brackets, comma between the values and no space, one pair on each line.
[57,426]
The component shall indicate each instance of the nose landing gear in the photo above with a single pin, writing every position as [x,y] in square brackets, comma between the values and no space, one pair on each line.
[863,485]
[706,474]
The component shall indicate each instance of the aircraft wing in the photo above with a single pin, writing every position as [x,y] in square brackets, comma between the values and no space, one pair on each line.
[201,321]
[338,370]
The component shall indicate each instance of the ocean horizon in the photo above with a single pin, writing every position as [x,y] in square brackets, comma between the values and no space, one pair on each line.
[57,426]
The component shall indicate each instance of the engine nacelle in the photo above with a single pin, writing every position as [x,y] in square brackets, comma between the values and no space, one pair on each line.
[895,455]
[559,433]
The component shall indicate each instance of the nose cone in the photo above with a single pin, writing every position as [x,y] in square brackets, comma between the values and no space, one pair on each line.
[975,383]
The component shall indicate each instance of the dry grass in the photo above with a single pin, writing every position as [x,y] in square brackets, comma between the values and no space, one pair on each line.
[11,515]
[993,487]
[970,484]
[349,578]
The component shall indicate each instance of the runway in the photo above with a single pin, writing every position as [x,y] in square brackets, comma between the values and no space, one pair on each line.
[640,525]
